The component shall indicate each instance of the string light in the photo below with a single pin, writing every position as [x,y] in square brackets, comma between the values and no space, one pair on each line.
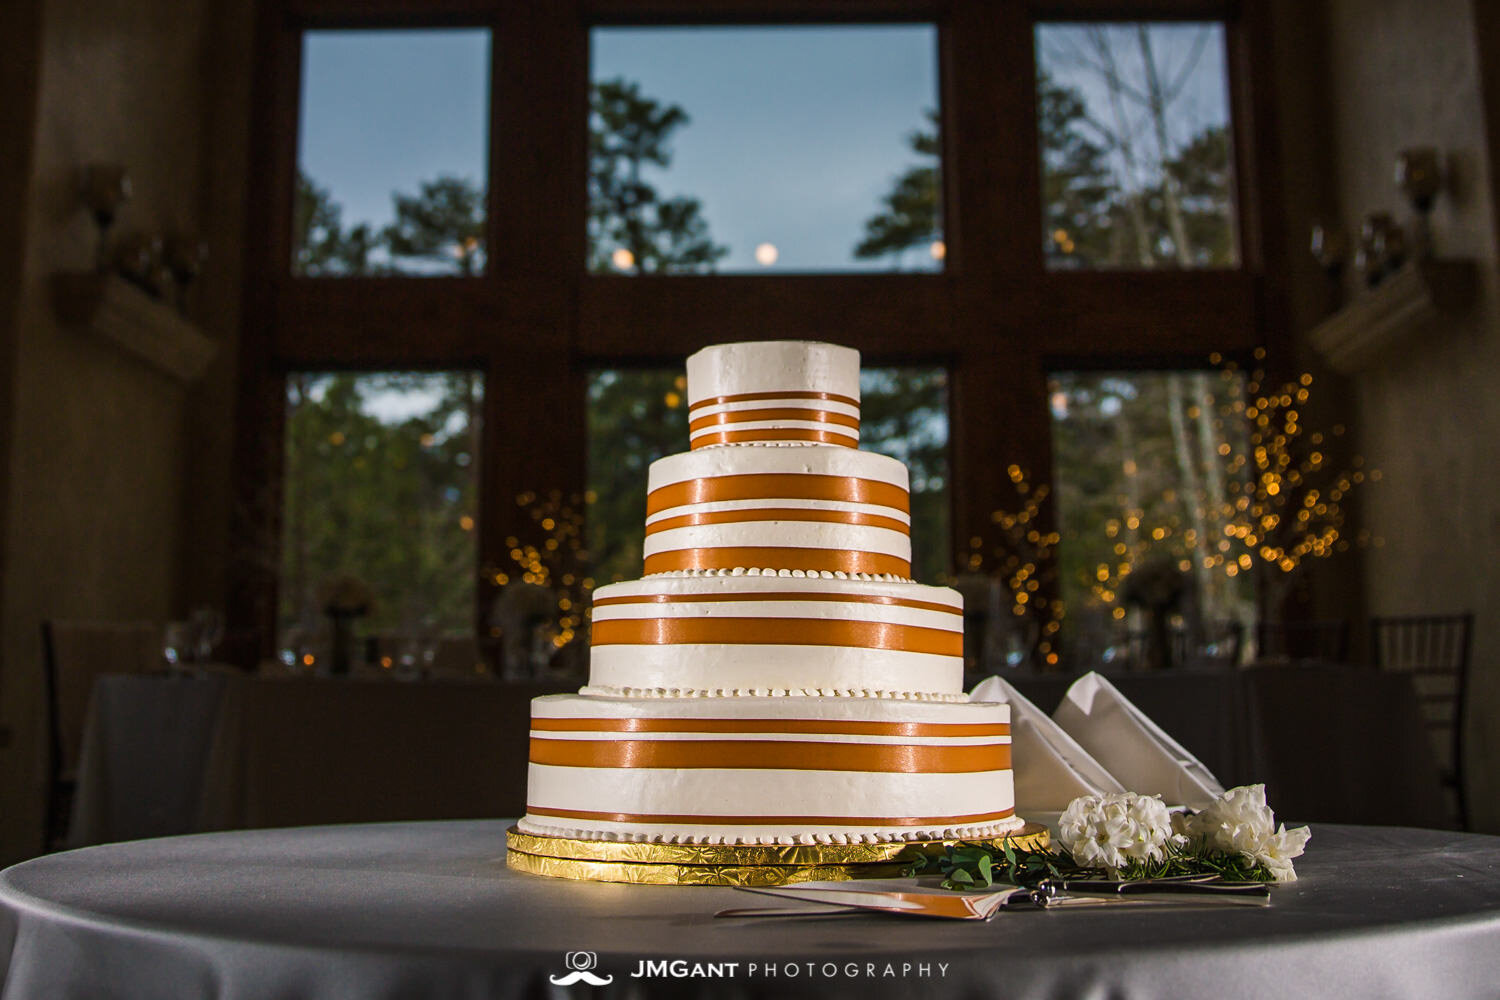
[1283,501]
[551,556]
[1021,556]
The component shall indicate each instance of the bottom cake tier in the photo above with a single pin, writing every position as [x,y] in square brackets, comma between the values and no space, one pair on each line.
[788,770]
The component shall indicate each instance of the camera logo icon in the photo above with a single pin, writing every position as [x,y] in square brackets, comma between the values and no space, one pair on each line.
[581,965]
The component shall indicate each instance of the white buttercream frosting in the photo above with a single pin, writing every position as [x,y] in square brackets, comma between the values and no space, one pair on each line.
[772,366]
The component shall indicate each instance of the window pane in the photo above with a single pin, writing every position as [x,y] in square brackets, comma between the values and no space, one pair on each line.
[391,153]
[1147,467]
[1136,163]
[635,417]
[904,414]
[638,416]
[381,485]
[764,149]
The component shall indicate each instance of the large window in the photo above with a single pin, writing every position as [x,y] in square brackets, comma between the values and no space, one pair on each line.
[1136,164]
[764,149]
[391,162]
[380,499]
[986,198]
[1149,468]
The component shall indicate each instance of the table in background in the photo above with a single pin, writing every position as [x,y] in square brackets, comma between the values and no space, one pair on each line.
[1331,742]
[166,755]
[429,909]
[179,755]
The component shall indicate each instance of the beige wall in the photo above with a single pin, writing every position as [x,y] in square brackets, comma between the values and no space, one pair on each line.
[1406,73]
[100,446]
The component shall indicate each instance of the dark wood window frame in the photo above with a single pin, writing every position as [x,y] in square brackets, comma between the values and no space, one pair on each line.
[535,322]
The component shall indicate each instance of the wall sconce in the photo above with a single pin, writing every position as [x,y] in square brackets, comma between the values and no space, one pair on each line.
[1384,246]
[1419,176]
[1411,290]
[104,187]
[1330,248]
[184,257]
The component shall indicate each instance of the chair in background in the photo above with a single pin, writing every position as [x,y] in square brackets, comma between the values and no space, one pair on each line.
[1326,641]
[74,654]
[1434,650]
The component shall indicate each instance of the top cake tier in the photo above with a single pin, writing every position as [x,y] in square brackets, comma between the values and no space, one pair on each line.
[779,390]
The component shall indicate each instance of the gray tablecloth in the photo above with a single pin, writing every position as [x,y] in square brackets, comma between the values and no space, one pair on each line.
[429,910]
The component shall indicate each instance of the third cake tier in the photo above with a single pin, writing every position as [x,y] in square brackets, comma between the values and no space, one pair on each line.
[799,507]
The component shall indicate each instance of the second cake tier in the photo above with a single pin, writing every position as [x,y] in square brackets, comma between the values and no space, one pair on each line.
[802,507]
[787,633]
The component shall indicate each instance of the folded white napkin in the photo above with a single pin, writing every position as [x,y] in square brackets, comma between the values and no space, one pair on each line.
[1139,754]
[1050,768]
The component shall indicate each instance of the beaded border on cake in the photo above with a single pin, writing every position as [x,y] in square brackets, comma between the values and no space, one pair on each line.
[798,574]
[605,691]
[769,444]
[529,825]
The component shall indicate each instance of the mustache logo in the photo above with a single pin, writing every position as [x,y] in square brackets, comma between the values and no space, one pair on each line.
[581,963]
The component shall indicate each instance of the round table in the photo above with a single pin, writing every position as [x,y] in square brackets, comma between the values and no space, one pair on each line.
[429,909]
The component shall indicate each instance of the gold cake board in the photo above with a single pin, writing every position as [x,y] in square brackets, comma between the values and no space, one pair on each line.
[733,864]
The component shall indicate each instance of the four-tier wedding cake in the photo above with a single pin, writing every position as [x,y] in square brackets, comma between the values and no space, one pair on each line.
[775,677]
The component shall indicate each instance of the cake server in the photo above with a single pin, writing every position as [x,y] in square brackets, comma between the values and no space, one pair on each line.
[1159,890]
[887,897]
[918,901]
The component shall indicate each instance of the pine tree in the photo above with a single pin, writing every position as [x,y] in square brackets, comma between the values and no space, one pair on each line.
[443,224]
[912,216]
[320,246]
[1077,190]
[629,133]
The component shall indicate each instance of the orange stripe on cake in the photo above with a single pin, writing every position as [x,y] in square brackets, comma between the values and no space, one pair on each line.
[721,820]
[844,727]
[748,595]
[778,514]
[777,486]
[779,755]
[777,632]
[748,397]
[774,434]
[789,413]
[730,557]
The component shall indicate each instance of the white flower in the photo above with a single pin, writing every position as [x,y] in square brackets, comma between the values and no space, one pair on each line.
[1278,851]
[1114,830]
[1240,822]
